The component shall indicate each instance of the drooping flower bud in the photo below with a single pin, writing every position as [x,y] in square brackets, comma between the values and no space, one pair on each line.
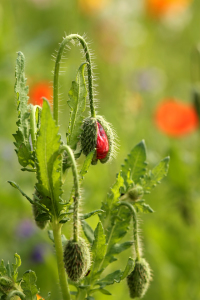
[135,193]
[39,220]
[76,259]
[98,133]
[138,280]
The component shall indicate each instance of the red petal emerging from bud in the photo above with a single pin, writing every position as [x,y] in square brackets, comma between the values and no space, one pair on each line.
[102,142]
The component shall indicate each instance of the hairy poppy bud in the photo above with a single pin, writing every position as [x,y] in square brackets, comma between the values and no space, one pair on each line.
[97,133]
[138,280]
[39,220]
[135,193]
[76,259]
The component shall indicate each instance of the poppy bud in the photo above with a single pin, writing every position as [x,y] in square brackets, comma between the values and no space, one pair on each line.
[138,280]
[97,133]
[76,259]
[135,193]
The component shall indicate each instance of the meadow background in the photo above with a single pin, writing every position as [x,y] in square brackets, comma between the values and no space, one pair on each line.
[143,55]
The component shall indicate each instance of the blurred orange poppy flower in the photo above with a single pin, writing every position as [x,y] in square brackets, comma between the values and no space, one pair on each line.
[160,8]
[175,118]
[92,6]
[40,90]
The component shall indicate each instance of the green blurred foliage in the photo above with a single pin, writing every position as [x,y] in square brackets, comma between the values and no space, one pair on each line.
[140,60]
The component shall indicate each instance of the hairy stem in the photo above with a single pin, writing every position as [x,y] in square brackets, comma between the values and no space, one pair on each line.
[56,226]
[135,228]
[65,41]
[81,294]
[76,190]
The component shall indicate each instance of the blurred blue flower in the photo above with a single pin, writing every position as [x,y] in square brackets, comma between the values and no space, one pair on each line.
[38,253]
[25,229]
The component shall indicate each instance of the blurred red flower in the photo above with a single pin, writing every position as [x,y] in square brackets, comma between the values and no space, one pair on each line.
[159,8]
[40,90]
[175,118]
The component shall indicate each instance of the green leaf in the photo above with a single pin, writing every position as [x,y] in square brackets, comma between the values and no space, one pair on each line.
[87,163]
[29,285]
[105,292]
[16,266]
[98,248]
[129,268]
[49,161]
[120,222]
[135,163]
[21,91]
[154,177]
[13,184]
[118,248]
[90,214]
[143,207]
[111,278]
[25,156]
[77,103]
[88,231]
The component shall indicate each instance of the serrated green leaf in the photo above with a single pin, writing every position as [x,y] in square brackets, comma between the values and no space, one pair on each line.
[16,266]
[29,285]
[143,207]
[49,161]
[13,184]
[77,103]
[88,231]
[90,214]
[114,194]
[129,268]
[120,222]
[98,248]
[21,91]
[25,156]
[87,163]
[135,163]
[156,175]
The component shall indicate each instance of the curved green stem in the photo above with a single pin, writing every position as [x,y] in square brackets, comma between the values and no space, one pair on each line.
[76,190]
[135,228]
[65,41]
[56,226]
[16,293]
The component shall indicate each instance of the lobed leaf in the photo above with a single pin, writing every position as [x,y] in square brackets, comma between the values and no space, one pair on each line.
[16,266]
[21,91]
[135,163]
[154,177]
[29,285]
[49,161]
[98,248]
[77,103]
[87,163]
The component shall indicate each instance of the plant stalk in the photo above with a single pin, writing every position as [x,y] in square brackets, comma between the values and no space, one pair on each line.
[59,256]
[65,41]
[76,191]
[135,228]
[33,126]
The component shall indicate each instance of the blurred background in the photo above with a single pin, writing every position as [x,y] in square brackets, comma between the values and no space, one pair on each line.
[147,70]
